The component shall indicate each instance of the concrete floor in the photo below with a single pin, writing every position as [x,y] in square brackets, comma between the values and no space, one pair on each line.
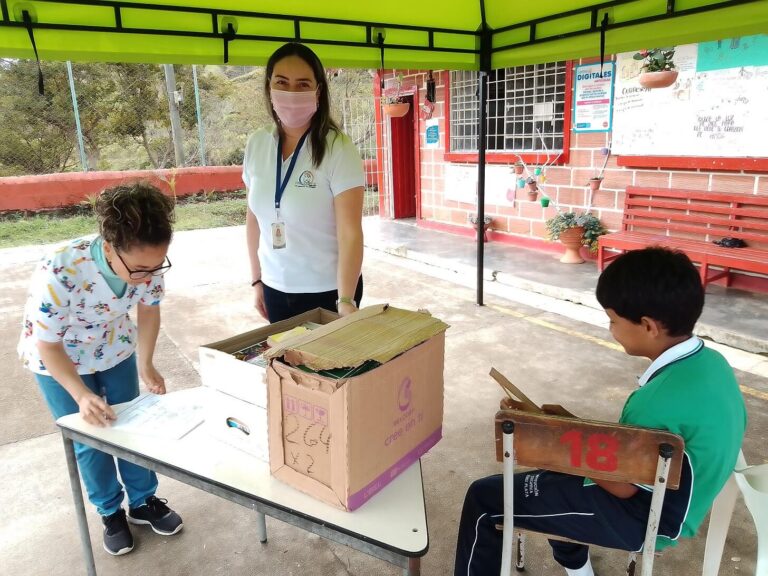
[553,350]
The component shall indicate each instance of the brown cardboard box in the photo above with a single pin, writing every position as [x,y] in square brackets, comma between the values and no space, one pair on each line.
[236,411]
[342,440]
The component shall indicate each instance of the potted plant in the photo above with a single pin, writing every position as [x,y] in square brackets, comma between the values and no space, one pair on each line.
[574,231]
[533,189]
[519,167]
[658,67]
[395,106]
[595,181]
[487,222]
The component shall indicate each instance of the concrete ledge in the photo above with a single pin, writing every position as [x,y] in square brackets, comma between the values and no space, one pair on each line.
[717,334]
[69,188]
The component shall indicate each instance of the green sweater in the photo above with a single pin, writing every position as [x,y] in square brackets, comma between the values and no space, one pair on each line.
[696,396]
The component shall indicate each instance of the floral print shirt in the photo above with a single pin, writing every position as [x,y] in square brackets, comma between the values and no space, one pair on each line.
[70,301]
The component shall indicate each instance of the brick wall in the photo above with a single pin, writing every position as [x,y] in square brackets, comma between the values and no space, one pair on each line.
[566,185]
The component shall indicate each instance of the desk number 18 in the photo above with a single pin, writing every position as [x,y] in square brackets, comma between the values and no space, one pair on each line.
[601,450]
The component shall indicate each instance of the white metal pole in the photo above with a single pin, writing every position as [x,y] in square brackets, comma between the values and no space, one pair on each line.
[81,145]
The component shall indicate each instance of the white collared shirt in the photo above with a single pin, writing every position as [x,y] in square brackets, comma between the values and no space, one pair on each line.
[678,351]
[309,261]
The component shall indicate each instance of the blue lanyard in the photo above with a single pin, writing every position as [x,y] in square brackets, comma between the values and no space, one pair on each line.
[281,184]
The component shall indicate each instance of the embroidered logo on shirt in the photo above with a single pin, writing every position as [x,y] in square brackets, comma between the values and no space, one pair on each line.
[306,180]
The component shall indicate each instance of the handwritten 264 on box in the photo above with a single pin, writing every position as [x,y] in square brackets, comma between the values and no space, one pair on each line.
[353,403]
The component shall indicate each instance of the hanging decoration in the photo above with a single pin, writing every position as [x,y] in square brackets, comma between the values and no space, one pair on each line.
[393,106]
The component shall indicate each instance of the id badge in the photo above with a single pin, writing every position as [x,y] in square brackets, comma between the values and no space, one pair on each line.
[278,235]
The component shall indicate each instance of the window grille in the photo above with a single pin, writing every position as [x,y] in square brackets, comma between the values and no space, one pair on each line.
[526,109]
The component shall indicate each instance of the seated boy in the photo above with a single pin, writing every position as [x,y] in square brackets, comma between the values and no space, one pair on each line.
[653,298]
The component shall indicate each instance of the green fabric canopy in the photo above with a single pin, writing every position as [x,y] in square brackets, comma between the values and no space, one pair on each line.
[417,35]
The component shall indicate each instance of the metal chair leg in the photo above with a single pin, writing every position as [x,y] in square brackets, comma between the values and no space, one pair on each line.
[520,557]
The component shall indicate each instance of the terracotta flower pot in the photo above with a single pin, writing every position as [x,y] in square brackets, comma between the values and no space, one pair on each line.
[486,227]
[533,194]
[658,79]
[594,184]
[397,110]
[518,169]
[571,239]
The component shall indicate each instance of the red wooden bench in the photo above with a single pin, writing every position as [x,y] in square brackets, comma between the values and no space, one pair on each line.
[689,221]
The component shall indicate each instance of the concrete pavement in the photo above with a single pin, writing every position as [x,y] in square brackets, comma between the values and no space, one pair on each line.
[554,350]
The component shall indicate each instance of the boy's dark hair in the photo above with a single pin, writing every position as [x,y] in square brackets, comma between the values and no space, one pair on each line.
[134,215]
[655,282]
[322,123]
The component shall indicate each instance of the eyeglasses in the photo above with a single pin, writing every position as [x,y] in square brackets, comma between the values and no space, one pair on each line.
[141,274]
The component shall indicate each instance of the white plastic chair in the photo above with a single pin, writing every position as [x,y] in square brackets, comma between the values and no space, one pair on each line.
[752,482]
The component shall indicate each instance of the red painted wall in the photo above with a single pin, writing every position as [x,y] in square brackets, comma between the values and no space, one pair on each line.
[65,189]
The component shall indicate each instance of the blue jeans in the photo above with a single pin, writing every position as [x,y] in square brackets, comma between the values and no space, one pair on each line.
[121,384]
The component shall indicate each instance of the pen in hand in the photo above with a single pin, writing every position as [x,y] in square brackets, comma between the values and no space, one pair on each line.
[103,394]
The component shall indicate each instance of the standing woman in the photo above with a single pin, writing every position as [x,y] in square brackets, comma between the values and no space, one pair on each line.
[305,196]
[79,342]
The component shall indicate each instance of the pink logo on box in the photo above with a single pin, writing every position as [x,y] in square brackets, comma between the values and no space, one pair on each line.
[404,395]
[305,409]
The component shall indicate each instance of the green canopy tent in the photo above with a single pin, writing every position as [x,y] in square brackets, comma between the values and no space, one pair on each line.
[453,34]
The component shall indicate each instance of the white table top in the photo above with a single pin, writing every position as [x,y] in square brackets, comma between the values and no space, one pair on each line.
[395,517]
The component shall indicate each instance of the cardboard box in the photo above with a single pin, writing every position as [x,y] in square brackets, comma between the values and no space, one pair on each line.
[342,440]
[236,412]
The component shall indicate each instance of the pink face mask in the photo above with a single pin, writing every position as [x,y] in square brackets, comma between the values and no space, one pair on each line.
[295,109]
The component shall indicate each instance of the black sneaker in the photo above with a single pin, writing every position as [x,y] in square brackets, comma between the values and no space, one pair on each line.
[155,513]
[118,539]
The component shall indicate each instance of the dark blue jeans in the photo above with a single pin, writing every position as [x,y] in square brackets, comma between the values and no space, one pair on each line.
[98,470]
[547,502]
[282,305]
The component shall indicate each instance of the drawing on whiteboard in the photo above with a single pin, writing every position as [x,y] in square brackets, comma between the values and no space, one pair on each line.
[711,111]
[682,90]
[716,127]
[733,53]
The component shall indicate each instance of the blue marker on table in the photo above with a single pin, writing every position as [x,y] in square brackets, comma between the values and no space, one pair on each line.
[238,425]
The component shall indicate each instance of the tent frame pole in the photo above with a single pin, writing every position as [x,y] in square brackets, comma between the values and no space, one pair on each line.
[485,68]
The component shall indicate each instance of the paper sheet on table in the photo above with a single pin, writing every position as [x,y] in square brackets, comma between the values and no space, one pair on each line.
[170,416]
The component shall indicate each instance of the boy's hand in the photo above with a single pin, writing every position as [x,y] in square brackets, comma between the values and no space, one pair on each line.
[95,410]
[153,380]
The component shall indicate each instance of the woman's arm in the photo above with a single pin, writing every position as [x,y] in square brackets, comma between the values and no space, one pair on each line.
[148,325]
[348,207]
[93,408]
[252,234]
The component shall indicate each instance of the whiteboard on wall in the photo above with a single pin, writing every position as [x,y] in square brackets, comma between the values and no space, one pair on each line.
[717,107]
[461,184]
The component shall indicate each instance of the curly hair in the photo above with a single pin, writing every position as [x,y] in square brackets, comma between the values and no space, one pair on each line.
[135,214]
